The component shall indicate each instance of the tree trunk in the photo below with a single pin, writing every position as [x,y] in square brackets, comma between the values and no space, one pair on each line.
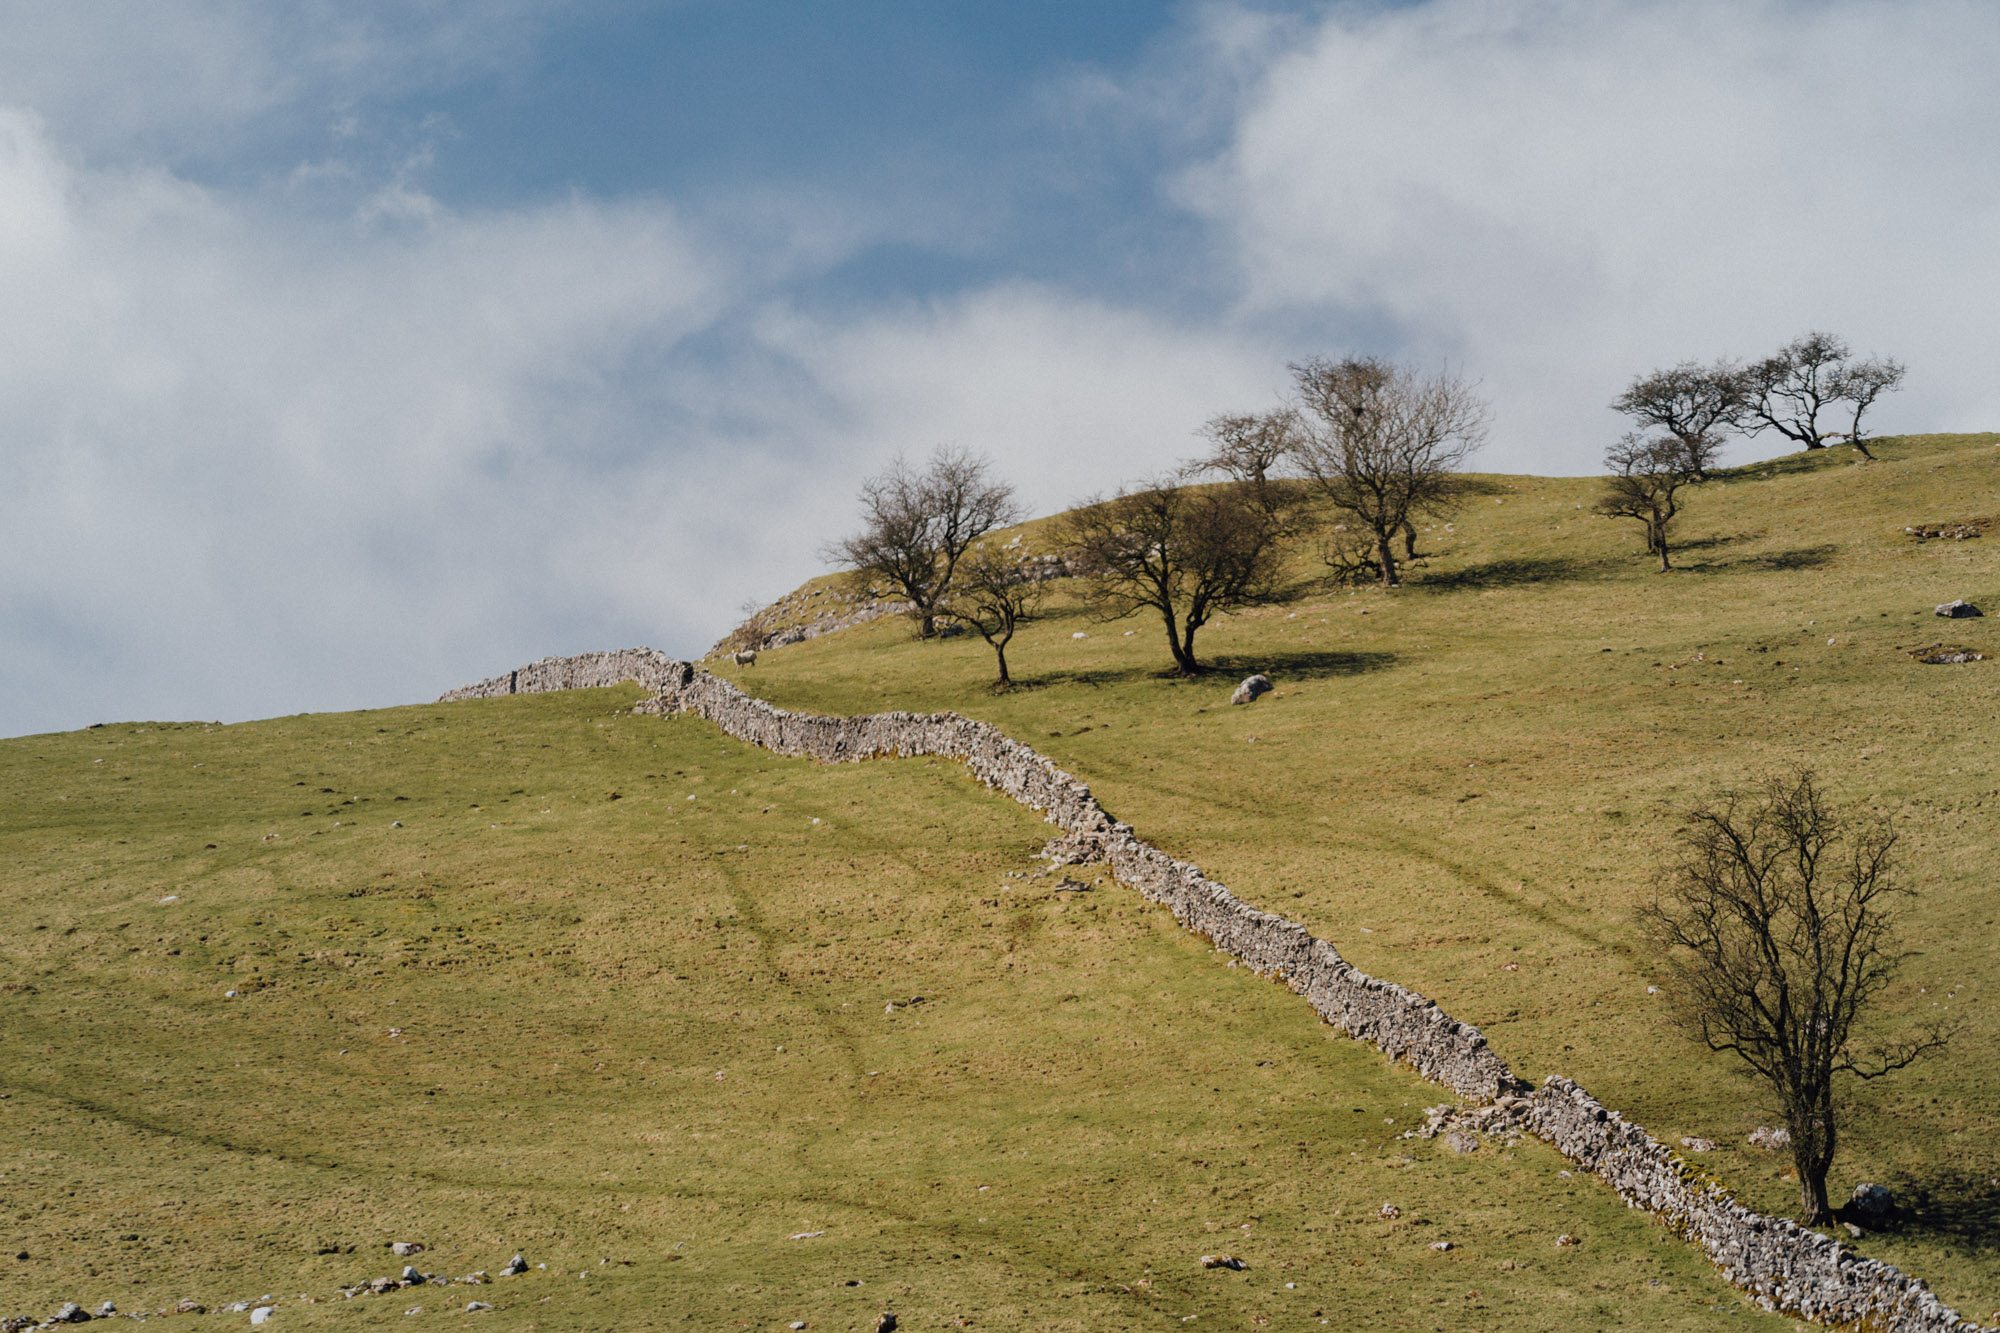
[1813,1146]
[1183,659]
[1409,541]
[1382,548]
[1864,450]
[1184,654]
[1000,654]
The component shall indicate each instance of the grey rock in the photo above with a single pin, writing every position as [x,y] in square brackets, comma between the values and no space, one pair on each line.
[1462,1141]
[17,1323]
[404,1248]
[886,1324]
[1872,1200]
[1853,1232]
[411,1275]
[106,1310]
[1959,609]
[1223,1261]
[470,1306]
[1770,1138]
[514,1266]
[1251,688]
[190,1307]
[70,1313]
[261,1314]
[1695,1144]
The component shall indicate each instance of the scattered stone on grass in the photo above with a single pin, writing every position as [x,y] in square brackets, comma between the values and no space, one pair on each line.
[404,1248]
[1223,1261]
[514,1266]
[1959,609]
[1946,654]
[886,1324]
[260,1314]
[470,1306]
[1462,1141]
[1566,1241]
[1695,1143]
[1251,688]
[1770,1138]
[1440,1245]
[190,1307]
[70,1313]
[1956,532]
[1388,1212]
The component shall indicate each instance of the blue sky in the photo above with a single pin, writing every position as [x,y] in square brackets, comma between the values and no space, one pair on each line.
[349,349]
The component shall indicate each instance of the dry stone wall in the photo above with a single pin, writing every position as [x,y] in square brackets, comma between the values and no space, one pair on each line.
[1782,1265]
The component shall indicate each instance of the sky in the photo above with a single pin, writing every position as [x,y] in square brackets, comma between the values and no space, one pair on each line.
[351,350]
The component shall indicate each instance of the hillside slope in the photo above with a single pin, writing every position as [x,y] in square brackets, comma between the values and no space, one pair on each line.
[1467,783]
[778,1042]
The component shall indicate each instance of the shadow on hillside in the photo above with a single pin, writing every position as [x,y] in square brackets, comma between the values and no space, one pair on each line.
[1804,557]
[1954,1205]
[1794,464]
[1503,574]
[1293,665]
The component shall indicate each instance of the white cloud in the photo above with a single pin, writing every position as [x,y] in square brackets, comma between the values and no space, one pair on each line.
[258,461]
[1069,395]
[1558,195]
[170,78]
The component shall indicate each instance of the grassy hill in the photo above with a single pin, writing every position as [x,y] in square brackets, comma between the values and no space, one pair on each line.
[1467,783]
[749,1041]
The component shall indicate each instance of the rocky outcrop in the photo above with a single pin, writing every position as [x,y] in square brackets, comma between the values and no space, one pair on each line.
[1784,1266]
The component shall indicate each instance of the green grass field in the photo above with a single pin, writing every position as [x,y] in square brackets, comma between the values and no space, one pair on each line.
[565,1009]
[1467,783]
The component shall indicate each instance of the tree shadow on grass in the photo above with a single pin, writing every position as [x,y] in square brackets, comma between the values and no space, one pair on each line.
[1514,573]
[1954,1205]
[1804,557]
[1292,664]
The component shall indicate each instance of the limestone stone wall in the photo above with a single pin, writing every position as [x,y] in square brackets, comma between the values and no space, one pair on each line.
[1784,1266]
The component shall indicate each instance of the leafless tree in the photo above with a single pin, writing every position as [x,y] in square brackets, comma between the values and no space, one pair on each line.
[917,526]
[1383,444]
[1789,390]
[1859,384]
[1248,448]
[1778,940]
[1646,478]
[1186,552]
[1694,404]
[996,596]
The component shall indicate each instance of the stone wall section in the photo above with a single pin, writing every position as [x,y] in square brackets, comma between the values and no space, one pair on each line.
[1782,1265]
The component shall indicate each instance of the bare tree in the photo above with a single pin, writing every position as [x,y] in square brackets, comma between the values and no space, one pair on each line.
[1383,444]
[996,596]
[1694,404]
[917,526]
[1248,448]
[1789,390]
[1646,479]
[1859,384]
[1186,552]
[1776,929]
